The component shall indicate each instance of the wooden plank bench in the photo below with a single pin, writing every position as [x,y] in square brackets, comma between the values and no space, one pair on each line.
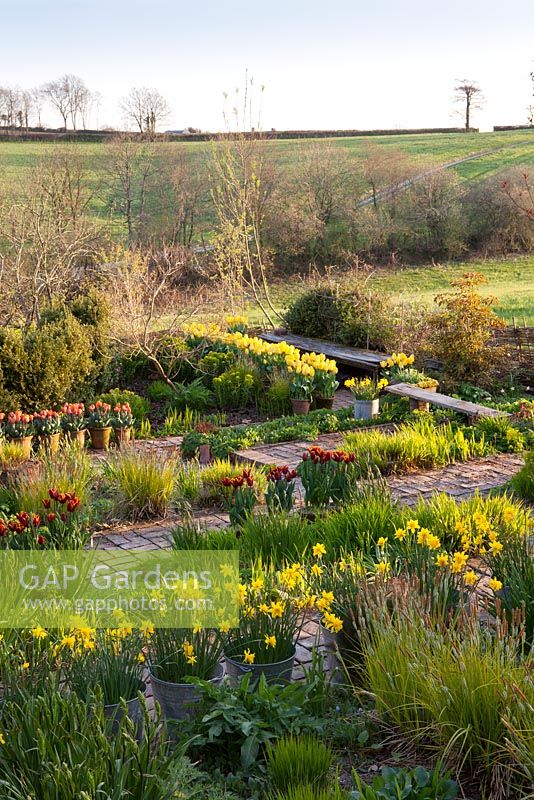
[422,398]
[368,360]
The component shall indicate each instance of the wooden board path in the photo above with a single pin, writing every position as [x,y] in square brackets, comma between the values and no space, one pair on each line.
[348,356]
[423,396]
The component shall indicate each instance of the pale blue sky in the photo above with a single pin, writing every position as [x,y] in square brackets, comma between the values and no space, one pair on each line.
[343,64]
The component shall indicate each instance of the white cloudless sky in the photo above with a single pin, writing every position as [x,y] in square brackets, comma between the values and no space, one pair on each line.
[338,64]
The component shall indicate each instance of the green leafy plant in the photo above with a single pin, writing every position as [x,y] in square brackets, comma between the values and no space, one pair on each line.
[280,489]
[176,655]
[237,387]
[326,475]
[110,661]
[240,720]
[143,482]
[140,406]
[241,497]
[194,395]
[501,433]
[297,760]
[408,784]
[55,747]
[523,481]
[214,364]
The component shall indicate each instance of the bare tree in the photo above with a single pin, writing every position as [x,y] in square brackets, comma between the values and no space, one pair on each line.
[57,94]
[10,102]
[145,302]
[47,237]
[145,108]
[520,192]
[242,181]
[469,94]
[131,171]
[530,108]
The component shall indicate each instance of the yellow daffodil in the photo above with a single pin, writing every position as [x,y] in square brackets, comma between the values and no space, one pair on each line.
[319,550]
[470,577]
[249,657]
[270,641]
[495,584]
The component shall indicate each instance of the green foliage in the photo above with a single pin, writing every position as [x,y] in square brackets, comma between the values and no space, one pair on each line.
[92,309]
[56,747]
[420,444]
[193,395]
[177,359]
[276,400]
[501,433]
[70,472]
[307,792]
[240,720]
[214,364]
[142,482]
[237,387]
[297,760]
[212,492]
[356,317]
[46,364]
[139,405]
[463,348]
[514,567]
[276,538]
[286,429]
[523,481]
[407,784]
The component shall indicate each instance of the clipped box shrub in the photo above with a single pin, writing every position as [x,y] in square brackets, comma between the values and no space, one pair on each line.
[356,318]
[46,364]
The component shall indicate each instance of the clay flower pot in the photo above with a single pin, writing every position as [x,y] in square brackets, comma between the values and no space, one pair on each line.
[76,436]
[100,438]
[324,402]
[50,442]
[300,407]
[123,436]
[25,442]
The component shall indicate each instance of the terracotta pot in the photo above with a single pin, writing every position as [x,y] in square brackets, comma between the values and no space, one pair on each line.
[122,436]
[50,442]
[76,436]
[28,472]
[324,402]
[25,442]
[100,438]
[300,407]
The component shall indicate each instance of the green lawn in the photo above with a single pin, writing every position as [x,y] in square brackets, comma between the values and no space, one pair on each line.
[511,280]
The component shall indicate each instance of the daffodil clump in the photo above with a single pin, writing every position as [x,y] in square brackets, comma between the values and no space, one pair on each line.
[365,388]
[235,323]
[271,606]
[175,655]
[336,587]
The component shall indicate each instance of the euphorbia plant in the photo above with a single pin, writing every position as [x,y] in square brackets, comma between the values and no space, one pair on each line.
[122,416]
[72,417]
[280,489]
[16,424]
[47,422]
[242,496]
[99,415]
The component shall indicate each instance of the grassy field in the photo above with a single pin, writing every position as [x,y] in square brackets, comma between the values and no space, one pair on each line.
[511,148]
[510,280]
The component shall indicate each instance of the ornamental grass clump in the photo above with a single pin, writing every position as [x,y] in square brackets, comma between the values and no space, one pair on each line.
[445,686]
[54,746]
[275,538]
[512,568]
[176,655]
[280,489]
[419,444]
[297,761]
[143,483]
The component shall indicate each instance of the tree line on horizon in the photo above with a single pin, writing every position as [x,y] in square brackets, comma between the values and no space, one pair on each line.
[145,109]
